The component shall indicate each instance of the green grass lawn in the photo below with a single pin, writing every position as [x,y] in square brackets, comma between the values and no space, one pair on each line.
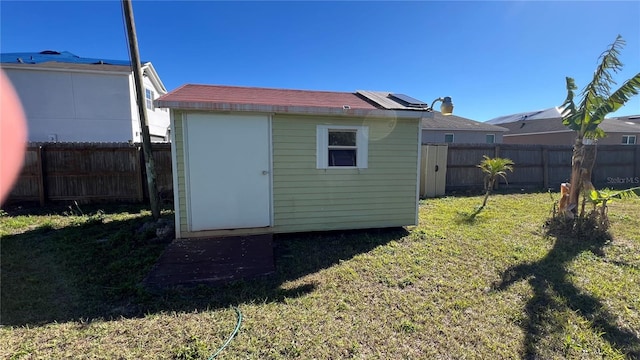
[485,287]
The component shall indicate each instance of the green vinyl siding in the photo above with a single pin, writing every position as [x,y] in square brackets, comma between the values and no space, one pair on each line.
[179,148]
[310,199]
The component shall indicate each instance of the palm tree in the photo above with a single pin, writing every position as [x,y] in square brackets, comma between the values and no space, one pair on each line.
[493,168]
[584,118]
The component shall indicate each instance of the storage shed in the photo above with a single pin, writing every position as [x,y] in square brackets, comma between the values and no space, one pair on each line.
[255,160]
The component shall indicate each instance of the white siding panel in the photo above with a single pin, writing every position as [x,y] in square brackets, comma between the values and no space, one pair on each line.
[74,106]
[158,117]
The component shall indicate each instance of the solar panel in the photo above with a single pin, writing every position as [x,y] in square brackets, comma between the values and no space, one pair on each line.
[409,100]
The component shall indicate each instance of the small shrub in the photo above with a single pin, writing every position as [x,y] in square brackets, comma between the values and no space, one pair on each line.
[193,349]
[589,225]
[581,228]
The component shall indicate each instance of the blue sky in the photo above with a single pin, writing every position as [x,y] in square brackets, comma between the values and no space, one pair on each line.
[492,58]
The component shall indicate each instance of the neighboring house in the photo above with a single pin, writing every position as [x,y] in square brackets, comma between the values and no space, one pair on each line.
[67,98]
[459,130]
[545,127]
[255,160]
[441,129]
[553,112]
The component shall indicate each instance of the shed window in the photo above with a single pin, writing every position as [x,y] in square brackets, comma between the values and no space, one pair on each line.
[491,138]
[342,146]
[628,139]
[149,95]
[448,138]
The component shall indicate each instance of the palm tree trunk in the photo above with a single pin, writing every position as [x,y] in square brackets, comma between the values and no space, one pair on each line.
[576,178]
[486,195]
[588,162]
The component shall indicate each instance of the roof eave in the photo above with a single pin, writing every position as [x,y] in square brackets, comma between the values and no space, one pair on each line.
[299,110]
[539,133]
[154,77]
[465,129]
[56,66]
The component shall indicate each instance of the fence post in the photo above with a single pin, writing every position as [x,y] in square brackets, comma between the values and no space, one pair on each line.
[423,171]
[496,153]
[139,173]
[41,186]
[545,167]
[636,166]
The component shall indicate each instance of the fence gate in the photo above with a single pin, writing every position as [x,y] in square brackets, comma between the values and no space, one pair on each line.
[433,175]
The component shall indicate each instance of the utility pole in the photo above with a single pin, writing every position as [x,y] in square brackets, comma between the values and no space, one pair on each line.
[142,109]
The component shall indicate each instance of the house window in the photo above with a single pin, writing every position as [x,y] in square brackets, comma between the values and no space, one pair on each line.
[628,139]
[448,138]
[149,95]
[491,138]
[342,146]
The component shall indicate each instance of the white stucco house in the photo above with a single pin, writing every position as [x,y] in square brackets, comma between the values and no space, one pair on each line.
[68,98]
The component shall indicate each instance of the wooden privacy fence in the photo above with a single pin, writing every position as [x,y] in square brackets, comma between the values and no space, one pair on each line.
[101,172]
[537,166]
[90,172]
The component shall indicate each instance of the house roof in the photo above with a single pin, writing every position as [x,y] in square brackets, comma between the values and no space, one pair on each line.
[264,96]
[550,121]
[554,112]
[619,125]
[554,125]
[238,98]
[59,66]
[549,125]
[56,56]
[362,103]
[630,118]
[458,123]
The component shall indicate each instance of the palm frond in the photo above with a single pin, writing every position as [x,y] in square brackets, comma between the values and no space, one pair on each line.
[597,100]
[600,85]
[504,176]
[597,196]
[614,102]
[568,106]
[595,133]
[571,117]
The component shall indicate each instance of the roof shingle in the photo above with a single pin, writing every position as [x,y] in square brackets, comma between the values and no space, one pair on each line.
[48,56]
[552,125]
[212,94]
[453,122]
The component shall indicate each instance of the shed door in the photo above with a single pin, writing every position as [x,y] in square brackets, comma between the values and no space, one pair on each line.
[433,178]
[227,171]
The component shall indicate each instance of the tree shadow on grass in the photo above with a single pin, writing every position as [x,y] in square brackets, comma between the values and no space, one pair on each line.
[554,291]
[83,270]
[468,217]
[95,270]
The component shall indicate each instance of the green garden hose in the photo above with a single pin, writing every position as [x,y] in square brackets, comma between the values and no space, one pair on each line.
[235,331]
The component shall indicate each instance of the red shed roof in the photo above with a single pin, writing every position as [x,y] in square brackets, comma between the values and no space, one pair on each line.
[217,94]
